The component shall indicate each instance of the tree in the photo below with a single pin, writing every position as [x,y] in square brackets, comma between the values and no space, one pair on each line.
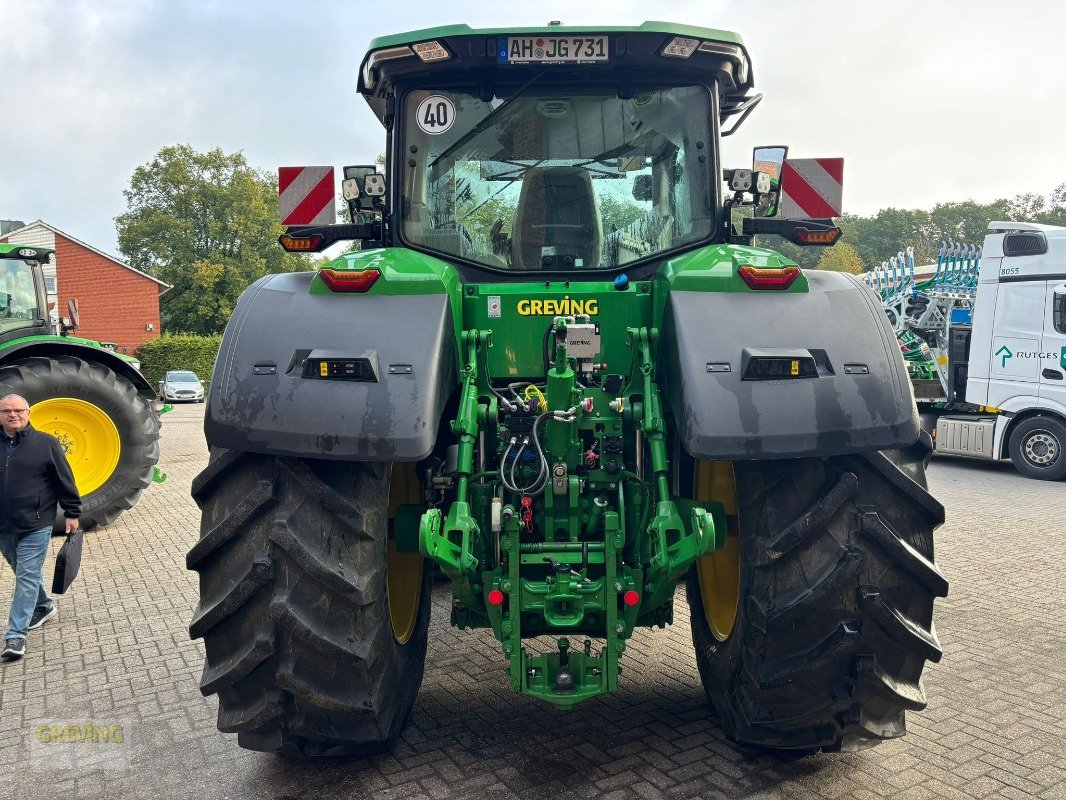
[881,236]
[618,213]
[841,257]
[1055,213]
[206,223]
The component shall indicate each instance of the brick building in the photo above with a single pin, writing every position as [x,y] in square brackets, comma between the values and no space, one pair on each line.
[116,303]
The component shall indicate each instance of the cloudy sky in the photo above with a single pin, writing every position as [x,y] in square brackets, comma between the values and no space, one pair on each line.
[927,101]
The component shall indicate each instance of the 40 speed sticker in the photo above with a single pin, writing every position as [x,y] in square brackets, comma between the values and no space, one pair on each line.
[435,114]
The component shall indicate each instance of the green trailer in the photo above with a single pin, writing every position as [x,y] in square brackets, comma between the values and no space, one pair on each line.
[94,400]
[559,371]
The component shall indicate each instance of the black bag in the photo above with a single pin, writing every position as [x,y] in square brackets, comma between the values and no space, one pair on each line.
[67,562]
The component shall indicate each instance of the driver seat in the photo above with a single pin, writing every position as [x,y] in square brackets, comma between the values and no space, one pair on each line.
[557,224]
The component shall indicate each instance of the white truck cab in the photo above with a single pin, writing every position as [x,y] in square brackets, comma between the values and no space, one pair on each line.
[1012,360]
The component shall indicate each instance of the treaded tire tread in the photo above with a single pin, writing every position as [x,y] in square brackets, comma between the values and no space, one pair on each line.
[38,378]
[293,608]
[834,624]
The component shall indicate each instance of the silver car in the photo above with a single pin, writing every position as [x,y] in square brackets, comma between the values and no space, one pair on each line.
[181,385]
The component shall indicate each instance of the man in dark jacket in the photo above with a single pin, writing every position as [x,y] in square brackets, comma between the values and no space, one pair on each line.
[34,476]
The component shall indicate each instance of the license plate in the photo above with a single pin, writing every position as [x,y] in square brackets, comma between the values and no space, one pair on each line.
[553,49]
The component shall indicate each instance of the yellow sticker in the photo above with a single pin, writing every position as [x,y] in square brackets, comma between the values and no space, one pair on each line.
[565,307]
[795,368]
[323,368]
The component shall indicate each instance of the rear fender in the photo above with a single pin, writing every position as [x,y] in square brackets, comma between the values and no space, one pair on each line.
[52,346]
[721,416]
[261,401]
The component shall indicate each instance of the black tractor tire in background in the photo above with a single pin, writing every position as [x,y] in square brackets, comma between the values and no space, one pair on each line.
[835,616]
[294,609]
[1037,448]
[39,379]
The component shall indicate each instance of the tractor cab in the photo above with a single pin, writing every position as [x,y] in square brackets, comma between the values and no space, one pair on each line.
[556,153]
[556,179]
[23,302]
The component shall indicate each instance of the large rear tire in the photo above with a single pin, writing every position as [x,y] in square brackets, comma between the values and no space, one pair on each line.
[109,432]
[315,628]
[833,612]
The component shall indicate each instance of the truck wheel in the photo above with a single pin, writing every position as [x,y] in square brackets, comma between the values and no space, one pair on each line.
[1037,447]
[110,433]
[812,626]
[315,628]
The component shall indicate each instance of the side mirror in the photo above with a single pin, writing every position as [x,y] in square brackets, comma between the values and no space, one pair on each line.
[642,188]
[363,188]
[768,160]
[5,302]
[201,382]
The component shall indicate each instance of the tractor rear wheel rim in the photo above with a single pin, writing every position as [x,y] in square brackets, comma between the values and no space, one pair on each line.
[88,435]
[719,572]
[403,570]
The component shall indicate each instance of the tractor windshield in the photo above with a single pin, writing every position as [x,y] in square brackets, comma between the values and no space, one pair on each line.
[18,298]
[557,181]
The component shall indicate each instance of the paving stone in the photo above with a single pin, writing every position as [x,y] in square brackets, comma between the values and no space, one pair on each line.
[119,654]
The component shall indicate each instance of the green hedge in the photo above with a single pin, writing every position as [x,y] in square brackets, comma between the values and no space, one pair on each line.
[179,351]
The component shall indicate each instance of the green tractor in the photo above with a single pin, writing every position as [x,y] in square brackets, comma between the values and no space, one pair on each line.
[95,401]
[558,372]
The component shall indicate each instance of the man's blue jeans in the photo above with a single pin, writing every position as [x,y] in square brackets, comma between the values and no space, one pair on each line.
[26,553]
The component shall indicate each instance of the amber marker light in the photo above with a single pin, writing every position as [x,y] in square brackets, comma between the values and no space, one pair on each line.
[292,244]
[817,237]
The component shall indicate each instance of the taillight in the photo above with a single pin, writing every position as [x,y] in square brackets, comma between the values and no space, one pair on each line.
[766,278]
[340,280]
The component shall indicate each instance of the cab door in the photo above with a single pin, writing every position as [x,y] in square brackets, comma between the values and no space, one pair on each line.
[1053,367]
[1017,331]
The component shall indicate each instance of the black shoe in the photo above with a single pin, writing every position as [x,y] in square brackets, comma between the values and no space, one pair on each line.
[14,649]
[40,616]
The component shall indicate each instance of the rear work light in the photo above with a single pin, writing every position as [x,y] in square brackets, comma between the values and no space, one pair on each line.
[340,280]
[431,51]
[772,279]
[679,47]
[375,58]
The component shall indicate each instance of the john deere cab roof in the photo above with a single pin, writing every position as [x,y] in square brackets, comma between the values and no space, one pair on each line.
[30,252]
[624,54]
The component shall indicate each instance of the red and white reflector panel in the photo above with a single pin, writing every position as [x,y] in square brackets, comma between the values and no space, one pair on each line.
[811,188]
[307,195]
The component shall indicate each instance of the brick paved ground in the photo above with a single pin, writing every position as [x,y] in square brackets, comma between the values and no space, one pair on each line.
[119,655]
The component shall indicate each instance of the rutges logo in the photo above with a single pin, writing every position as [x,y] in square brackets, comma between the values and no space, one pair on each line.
[558,308]
[1004,353]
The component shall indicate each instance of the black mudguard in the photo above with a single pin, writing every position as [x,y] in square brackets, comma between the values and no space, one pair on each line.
[51,347]
[262,401]
[860,400]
